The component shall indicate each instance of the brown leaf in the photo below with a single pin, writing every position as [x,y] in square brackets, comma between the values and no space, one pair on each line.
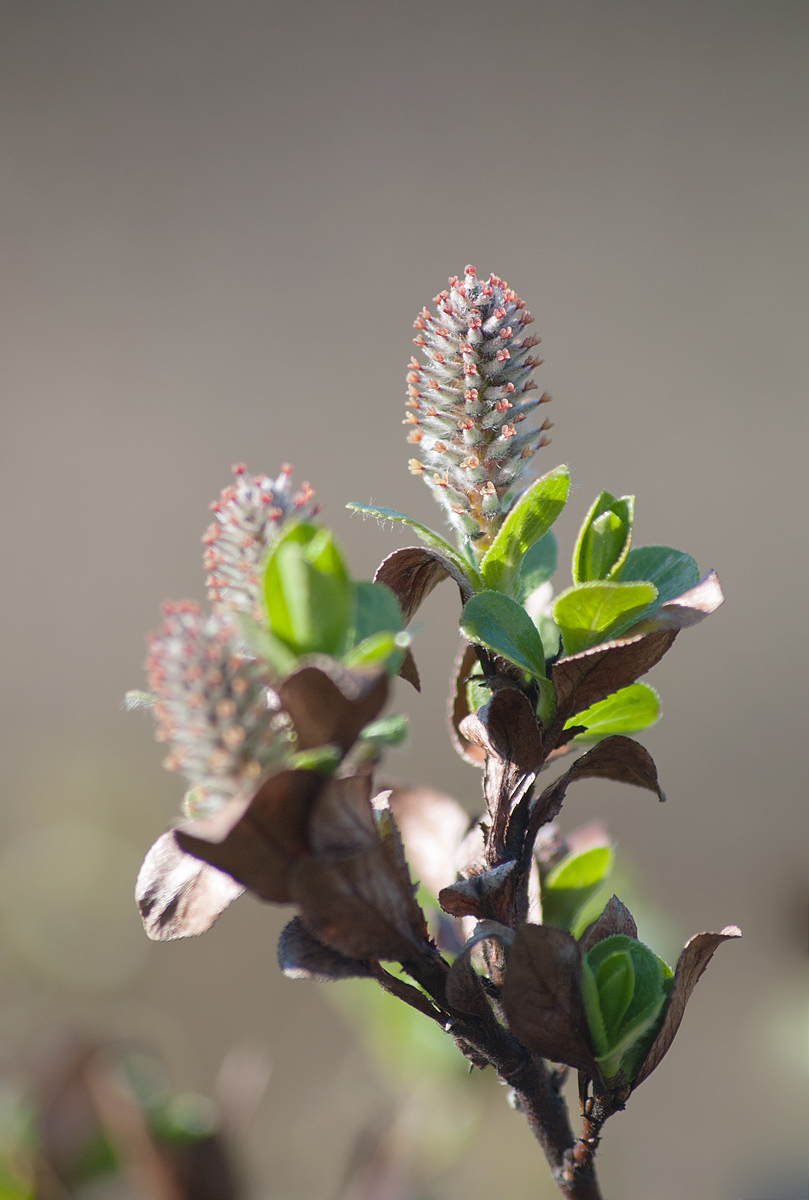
[487,895]
[692,962]
[507,727]
[302,956]
[432,826]
[458,707]
[616,918]
[689,608]
[177,894]
[409,671]
[616,757]
[464,988]
[330,704]
[256,840]
[342,819]
[582,679]
[358,906]
[542,996]
[413,572]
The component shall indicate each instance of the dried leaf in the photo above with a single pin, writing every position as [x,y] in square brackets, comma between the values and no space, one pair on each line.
[329,704]
[179,895]
[459,709]
[413,572]
[510,729]
[342,819]
[616,918]
[582,679]
[487,895]
[432,826]
[542,996]
[617,757]
[464,988]
[690,607]
[256,840]
[694,959]
[409,671]
[302,956]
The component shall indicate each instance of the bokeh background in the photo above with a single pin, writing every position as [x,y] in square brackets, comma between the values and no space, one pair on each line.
[219,220]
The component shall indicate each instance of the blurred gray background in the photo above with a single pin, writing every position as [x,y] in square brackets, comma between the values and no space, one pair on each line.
[218,223]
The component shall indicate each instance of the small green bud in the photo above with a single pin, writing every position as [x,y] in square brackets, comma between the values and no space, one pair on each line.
[604,538]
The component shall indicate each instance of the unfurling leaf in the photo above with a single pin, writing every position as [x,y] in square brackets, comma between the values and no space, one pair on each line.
[307,590]
[571,883]
[527,522]
[542,996]
[593,612]
[604,538]
[692,962]
[179,895]
[537,566]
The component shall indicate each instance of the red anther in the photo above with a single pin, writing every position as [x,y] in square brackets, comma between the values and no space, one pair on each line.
[469,270]
[508,431]
[520,304]
[488,489]
[431,411]
[499,313]
[439,358]
[413,377]
[287,468]
[544,398]
[440,447]
[526,318]
[503,405]
[441,481]
[415,467]
[470,463]
[466,424]
[505,333]
[211,534]
[471,395]
[457,508]
[419,341]
[214,506]
[447,308]
[239,469]
[467,349]
[509,388]
[419,323]
[543,442]
[453,281]
[502,355]
[486,290]
[519,417]
[414,436]
[433,383]
[410,419]
[475,322]
[470,369]
[412,403]
[528,342]
[414,362]
[546,424]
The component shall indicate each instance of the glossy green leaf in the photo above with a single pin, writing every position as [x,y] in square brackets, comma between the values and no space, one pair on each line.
[604,538]
[500,624]
[550,635]
[477,693]
[596,611]
[629,710]
[307,590]
[265,645]
[537,566]
[621,1021]
[529,520]
[568,887]
[423,532]
[671,571]
[324,759]
[385,650]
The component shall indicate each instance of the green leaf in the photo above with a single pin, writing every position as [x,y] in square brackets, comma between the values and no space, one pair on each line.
[376,611]
[604,538]
[550,635]
[500,624]
[423,532]
[620,1021]
[307,590]
[529,520]
[384,650]
[477,692]
[571,883]
[671,571]
[629,710]
[537,566]
[265,645]
[324,759]
[387,731]
[596,611]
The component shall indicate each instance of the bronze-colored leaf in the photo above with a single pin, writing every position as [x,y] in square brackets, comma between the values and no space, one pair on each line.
[409,671]
[179,895]
[507,727]
[616,918]
[582,679]
[692,962]
[433,827]
[358,905]
[542,996]
[459,709]
[689,608]
[302,956]
[413,572]
[342,818]
[464,988]
[616,757]
[255,840]
[329,704]
[487,896]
